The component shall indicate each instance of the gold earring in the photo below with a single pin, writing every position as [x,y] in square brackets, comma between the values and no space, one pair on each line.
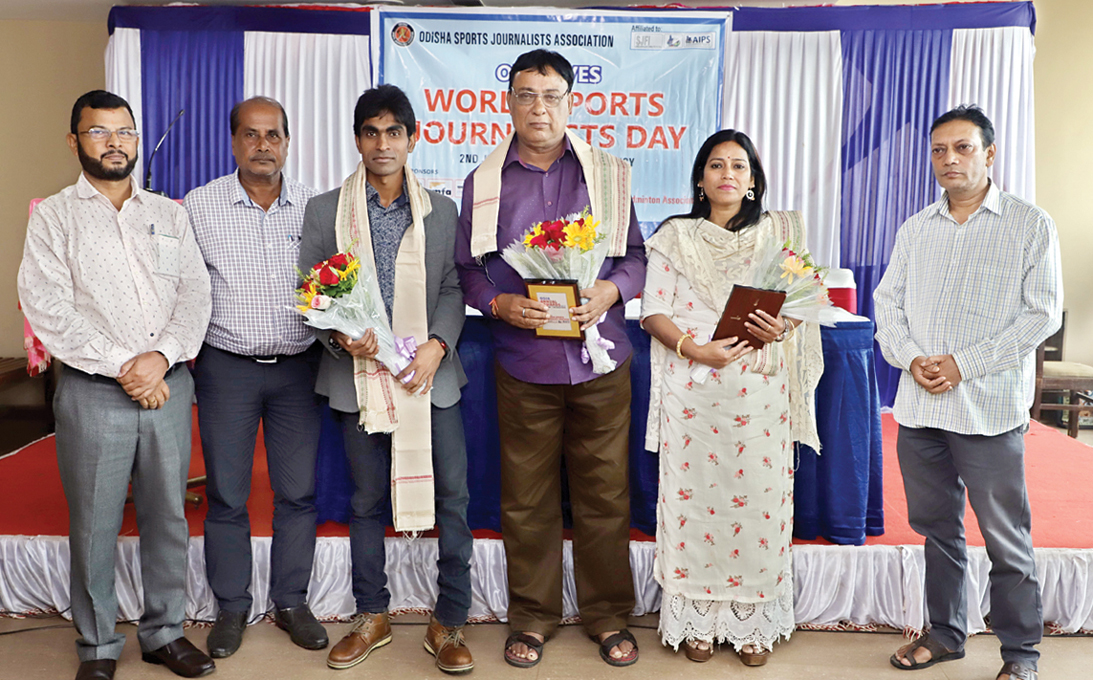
[701,193]
[750,195]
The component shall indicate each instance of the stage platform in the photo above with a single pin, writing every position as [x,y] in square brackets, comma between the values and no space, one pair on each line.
[857,587]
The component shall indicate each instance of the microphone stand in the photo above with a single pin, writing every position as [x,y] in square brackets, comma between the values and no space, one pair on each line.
[148,175]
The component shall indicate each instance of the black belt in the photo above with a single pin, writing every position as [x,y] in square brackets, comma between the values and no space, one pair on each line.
[264,359]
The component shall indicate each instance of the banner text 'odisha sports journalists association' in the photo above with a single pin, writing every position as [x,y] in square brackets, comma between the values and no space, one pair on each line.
[613,106]
[515,39]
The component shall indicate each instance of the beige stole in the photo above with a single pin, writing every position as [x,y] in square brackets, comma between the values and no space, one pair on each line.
[382,402]
[692,256]
[607,178]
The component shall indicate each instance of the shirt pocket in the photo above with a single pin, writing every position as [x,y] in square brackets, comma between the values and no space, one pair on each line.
[168,255]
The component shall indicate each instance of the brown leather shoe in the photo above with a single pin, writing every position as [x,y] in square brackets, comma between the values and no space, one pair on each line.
[448,646]
[96,669]
[369,632]
[182,658]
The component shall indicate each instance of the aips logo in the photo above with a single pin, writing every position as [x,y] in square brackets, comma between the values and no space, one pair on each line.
[402,34]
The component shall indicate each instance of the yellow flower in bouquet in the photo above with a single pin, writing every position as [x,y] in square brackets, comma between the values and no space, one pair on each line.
[581,233]
[575,231]
[533,236]
[795,266]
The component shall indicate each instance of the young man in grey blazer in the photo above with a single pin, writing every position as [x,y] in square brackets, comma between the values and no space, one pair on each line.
[384,126]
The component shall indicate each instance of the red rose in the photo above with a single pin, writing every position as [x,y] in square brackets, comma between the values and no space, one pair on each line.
[554,230]
[329,277]
[318,266]
[540,241]
[340,261]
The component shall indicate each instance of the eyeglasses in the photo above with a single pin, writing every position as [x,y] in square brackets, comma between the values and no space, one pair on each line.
[101,134]
[550,100]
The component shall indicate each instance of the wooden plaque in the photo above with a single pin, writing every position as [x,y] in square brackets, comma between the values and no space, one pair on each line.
[559,295]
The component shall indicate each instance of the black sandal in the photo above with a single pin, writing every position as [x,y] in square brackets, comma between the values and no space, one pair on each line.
[532,643]
[938,653]
[1017,671]
[615,640]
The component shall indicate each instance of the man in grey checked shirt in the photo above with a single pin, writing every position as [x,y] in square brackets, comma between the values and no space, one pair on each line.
[973,287]
[258,363]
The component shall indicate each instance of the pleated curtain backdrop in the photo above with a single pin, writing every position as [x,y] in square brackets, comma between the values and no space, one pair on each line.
[992,67]
[784,90]
[123,75]
[202,72]
[895,84]
[317,78]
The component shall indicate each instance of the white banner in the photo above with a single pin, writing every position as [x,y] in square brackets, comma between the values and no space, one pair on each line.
[647,88]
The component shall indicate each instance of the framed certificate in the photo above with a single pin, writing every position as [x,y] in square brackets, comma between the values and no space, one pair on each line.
[559,295]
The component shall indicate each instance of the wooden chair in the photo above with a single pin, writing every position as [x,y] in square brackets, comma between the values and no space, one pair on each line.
[1074,379]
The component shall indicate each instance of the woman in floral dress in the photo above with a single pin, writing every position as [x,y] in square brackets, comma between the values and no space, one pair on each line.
[725,508]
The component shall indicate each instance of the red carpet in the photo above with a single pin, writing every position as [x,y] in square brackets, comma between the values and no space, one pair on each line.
[1059,473]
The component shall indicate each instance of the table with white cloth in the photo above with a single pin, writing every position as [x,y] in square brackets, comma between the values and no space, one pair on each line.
[838,494]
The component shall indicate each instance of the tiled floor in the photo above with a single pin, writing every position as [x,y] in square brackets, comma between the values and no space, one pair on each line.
[267,654]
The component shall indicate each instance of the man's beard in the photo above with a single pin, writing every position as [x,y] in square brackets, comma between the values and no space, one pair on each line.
[95,167]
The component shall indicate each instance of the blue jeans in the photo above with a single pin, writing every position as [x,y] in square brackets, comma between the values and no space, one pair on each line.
[370,462]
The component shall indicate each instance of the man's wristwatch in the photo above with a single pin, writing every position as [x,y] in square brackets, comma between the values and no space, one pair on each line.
[443,345]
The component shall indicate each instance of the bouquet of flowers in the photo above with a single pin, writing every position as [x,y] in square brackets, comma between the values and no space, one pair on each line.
[782,268]
[569,248]
[794,273]
[334,297]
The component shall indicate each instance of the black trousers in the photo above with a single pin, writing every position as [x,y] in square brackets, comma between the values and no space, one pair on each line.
[234,395]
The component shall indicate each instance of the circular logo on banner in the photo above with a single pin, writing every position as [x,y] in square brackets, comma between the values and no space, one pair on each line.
[402,34]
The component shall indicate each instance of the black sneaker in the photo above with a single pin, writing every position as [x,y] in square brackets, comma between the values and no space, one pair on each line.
[227,634]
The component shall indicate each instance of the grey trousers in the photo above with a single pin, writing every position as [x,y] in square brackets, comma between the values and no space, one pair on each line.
[937,466]
[103,439]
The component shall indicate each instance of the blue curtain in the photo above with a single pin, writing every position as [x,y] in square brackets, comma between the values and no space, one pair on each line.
[895,83]
[202,72]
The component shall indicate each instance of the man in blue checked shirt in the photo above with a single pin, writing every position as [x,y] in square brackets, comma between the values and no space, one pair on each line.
[258,364]
[974,286]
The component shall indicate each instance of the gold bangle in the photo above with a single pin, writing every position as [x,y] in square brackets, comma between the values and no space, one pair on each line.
[679,345]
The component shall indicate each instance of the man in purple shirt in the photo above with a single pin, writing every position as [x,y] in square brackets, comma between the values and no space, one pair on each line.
[555,404]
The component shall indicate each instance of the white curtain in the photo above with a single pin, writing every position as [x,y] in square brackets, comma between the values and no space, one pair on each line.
[833,584]
[784,90]
[123,79]
[992,67]
[318,79]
